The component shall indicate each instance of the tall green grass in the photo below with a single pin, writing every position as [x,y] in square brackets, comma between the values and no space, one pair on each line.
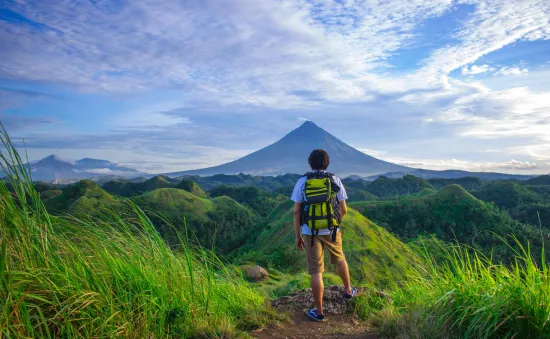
[109,277]
[469,296]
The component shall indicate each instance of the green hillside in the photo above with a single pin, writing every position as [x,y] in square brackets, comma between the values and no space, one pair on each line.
[507,194]
[84,197]
[68,277]
[387,187]
[127,188]
[384,187]
[259,200]
[425,192]
[451,214]
[220,223]
[538,181]
[268,183]
[360,195]
[524,203]
[374,255]
[468,183]
[191,187]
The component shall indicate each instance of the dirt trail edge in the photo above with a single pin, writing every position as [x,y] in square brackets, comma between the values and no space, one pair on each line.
[339,323]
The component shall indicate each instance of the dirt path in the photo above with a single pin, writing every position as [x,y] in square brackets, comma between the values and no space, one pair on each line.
[339,322]
[301,327]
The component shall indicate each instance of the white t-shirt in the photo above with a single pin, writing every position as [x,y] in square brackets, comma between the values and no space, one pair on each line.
[298,195]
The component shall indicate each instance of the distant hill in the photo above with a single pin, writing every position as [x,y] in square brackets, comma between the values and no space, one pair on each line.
[451,174]
[290,154]
[529,204]
[220,223]
[468,183]
[54,169]
[268,183]
[451,214]
[191,187]
[260,201]
[374,255]
[384,187]
[84,198]
[128,188]
[387,187]
[543,180]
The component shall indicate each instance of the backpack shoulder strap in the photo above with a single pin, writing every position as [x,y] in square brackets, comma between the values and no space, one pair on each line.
[335,186]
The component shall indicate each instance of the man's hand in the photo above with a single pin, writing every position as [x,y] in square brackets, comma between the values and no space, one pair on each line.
[300,242]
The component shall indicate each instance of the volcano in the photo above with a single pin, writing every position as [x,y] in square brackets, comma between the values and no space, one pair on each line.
[290,154]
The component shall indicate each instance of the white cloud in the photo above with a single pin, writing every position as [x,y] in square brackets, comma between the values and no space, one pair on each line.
[303,119]
[372,152]
[493,25]
[138,157]
[474,69]
[244,51]
[150,117]
[510,166]
[270,56]
[515,164]
[513,70]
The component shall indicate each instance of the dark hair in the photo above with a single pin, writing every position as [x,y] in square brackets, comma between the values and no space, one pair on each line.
[319,159]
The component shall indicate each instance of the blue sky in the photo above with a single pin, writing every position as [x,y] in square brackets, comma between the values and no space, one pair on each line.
[170,85]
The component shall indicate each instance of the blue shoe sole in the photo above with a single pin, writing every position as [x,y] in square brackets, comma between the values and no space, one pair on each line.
[348,297]
[314,318]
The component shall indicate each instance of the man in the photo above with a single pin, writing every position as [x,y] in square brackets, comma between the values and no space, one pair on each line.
[315,242]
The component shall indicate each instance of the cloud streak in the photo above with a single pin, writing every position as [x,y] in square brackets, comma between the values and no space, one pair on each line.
[327,60]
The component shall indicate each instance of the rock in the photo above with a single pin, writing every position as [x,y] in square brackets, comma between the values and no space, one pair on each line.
[257,273]
[333,300]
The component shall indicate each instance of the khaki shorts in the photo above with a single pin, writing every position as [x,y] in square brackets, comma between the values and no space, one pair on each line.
[316,255]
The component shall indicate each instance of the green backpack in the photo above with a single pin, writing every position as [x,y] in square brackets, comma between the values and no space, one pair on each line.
[321,208]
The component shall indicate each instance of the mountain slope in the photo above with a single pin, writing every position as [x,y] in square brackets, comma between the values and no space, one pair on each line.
[290,154]
[83,198]
[373,254]
[538,181]
[54,169]
[220,223]
[453,174]
[452,214]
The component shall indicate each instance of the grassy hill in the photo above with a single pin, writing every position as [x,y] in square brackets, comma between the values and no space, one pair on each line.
[387,187]
[260,201]
[360,195]
[524,203]
[126,188]
[451,214]
[538,181]
[425,192]
[220,223]
[85,198]
[268,183]
[506,194]
[191,187]
[374,255]
[468,183]
[66,277]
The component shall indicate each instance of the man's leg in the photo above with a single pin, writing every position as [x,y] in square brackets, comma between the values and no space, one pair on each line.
[316,267]
[338,258]
[343,272]
[318,288]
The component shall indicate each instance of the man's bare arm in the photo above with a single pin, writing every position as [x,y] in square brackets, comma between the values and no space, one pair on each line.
[343,209]
[298,226]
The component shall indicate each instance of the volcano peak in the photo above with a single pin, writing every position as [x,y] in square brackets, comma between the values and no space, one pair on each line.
[290,154]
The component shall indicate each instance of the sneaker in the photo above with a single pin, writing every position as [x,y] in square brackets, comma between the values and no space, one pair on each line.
[353,294]
[314,315]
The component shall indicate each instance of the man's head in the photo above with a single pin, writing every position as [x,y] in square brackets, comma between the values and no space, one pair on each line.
[319,160]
